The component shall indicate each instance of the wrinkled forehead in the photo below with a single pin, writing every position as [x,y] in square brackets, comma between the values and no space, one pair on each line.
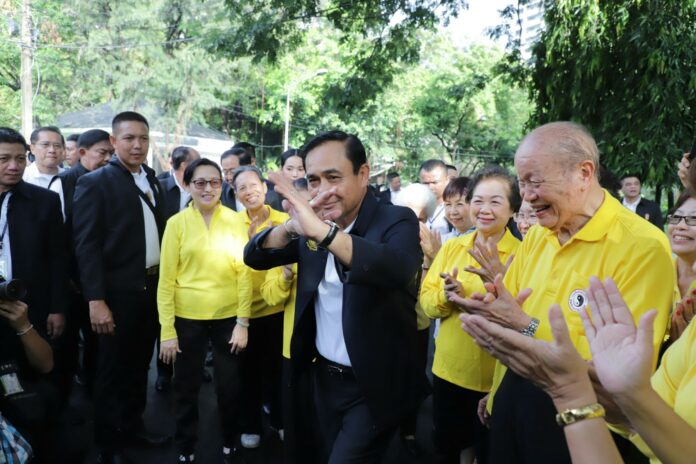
[539,157]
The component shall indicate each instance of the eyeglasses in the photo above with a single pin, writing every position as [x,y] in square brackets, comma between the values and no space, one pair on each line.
[200,184]
[528,218]
[45,145]
[675,219]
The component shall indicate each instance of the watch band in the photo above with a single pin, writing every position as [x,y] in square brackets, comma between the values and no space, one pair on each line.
[531,329]
[571,416]
[333,231]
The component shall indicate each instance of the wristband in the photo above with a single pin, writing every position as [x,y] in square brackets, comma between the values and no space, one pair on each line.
[25,331]
[243,324]
[571,416]
[333,231]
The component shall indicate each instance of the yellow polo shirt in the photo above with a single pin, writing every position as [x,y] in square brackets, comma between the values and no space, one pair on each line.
[276,290]
[259,308]
[458,359]
[675,382]
[202,275]
[614,243]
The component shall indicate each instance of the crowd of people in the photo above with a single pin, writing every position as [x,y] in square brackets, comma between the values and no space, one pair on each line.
[560,314]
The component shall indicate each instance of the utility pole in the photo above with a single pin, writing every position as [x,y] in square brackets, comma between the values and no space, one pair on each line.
[25,79]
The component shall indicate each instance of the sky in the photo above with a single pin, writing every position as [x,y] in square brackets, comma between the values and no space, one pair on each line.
[471,25]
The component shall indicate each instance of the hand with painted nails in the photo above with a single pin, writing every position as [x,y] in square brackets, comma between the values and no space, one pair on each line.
[683,313]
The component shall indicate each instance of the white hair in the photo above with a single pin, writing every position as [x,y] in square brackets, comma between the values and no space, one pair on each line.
[419,198]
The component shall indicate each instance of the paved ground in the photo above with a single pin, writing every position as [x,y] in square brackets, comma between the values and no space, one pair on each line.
[159,417]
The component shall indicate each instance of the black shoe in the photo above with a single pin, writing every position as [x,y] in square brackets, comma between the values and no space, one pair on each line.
[163,384]
[143,437]
[411,446]
[113,458]
[207,376]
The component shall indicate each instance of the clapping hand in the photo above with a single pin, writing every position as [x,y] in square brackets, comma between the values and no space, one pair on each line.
[497,305]
[451,284]
[622,354]
[488,258]
[682,315]
[430,242]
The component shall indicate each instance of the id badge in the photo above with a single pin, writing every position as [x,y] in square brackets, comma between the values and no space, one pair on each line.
[9,380]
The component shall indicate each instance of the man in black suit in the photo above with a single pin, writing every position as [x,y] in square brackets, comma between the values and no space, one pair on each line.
[32,239]
[633,200]
[356,296]
[390,194]
[93,151]
[118,221]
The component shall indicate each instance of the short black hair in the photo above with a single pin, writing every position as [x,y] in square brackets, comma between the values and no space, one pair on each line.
[631,174]
[34,137]
[392,175]
[246,146]
[496,172]
[9,135]
[127,116]
[92,137]
[227,153]
[191,168]
[72,138]
[179,155]
[242,169]
[355,150]
[433,164]
[457,186]
[287,154]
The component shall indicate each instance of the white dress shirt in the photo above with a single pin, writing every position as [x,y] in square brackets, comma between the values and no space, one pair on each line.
[152,245]
[438,221]
[6,254]
[328,309]
[631,206]
[33,176]
[184,196]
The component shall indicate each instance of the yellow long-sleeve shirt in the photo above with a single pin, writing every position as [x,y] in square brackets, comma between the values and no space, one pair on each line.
[202,275]
[259,307]
[614,243]
[277,290]
[457,357]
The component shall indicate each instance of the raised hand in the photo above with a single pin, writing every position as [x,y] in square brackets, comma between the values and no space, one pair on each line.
[430,242]
[306,218]
[683,313]
[684,171]
[497,305]
[488,258]
[622,354]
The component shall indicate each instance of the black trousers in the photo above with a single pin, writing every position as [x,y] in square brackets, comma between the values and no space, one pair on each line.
[348,431]
[523,425]
[455,422]
[299,416]
[261,372]
[120,389]
[193,337]
[408,425]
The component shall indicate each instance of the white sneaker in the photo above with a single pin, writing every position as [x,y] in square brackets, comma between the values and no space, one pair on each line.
[250,440]
[281,434]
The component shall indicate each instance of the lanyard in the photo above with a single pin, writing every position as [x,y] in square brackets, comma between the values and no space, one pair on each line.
[438,211]
[4,205]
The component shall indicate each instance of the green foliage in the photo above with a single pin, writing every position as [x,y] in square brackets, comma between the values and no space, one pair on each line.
[627,70]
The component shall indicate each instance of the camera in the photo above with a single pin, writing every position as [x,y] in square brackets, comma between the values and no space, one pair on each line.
[12,290]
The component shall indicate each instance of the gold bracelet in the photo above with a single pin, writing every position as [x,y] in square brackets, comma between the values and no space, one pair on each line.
[571,416]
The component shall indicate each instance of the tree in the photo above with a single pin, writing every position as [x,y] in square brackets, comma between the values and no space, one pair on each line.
[627,70]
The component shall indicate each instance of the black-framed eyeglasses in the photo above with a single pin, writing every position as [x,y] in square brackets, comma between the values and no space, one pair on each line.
[200,184]
[675,219]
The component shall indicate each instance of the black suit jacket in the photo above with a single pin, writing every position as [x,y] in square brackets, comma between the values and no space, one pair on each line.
[650,211]
[172,196]
[109,230]
[39,253]
[379,297]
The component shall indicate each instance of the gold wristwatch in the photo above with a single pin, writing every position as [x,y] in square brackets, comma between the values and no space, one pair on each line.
[571,416]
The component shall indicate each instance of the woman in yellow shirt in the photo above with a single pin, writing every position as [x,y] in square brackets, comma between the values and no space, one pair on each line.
[681,230]
[204,294]
[462,372]
[261,363]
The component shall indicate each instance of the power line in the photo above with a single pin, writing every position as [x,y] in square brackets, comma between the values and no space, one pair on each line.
[112,47]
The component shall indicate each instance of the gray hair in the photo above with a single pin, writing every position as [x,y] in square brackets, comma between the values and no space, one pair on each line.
[571,141]
[418,197]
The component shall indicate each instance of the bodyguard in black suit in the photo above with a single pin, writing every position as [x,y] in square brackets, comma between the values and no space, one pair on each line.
[118,223]
[356,296]
[648,210]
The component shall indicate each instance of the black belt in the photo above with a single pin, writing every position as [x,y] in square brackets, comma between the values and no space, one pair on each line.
[153,270]
[334,369]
